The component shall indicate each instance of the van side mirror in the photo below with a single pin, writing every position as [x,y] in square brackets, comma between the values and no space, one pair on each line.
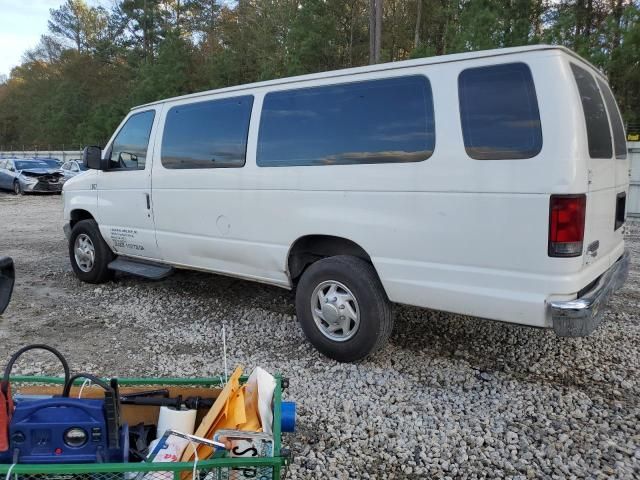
[7,279]
[92,157]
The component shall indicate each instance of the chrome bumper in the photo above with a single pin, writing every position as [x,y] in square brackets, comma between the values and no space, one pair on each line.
[580,317]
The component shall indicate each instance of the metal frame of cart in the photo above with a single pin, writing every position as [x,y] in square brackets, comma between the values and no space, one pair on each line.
[223,468]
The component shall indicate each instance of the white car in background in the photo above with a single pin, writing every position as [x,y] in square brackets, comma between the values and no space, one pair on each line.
[71,168]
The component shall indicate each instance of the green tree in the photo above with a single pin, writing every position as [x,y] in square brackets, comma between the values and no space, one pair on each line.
[94,64]
[624,67]
[171,73]
[79,24]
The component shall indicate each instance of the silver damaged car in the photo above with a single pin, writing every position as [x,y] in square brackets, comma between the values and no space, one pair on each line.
[29,175]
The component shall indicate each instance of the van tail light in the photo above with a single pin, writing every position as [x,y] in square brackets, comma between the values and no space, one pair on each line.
[566,225]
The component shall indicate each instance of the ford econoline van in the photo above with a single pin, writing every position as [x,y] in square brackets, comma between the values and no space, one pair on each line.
[490,184]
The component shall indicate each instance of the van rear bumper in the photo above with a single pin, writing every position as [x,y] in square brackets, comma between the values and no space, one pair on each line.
[580,317]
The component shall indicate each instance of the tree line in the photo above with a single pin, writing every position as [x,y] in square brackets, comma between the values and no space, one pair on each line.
[95,63]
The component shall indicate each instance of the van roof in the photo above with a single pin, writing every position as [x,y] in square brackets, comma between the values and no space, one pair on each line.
[456,57]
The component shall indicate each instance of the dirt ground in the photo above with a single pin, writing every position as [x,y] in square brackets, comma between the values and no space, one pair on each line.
[450,397]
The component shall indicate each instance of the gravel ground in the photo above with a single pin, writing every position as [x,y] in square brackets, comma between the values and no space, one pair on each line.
[450,397]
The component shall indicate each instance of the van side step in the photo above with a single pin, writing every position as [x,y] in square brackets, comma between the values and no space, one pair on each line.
[152,271]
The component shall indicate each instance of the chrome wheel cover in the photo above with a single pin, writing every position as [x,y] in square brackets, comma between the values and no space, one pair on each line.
[335,311]
[84,252]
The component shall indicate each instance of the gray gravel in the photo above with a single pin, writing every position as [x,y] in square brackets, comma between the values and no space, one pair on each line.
[450,397]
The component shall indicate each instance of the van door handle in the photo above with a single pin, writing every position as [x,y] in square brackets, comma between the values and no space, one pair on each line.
[148,201]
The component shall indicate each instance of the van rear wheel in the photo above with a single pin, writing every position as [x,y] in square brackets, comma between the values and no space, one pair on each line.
[89,253]
[343,309]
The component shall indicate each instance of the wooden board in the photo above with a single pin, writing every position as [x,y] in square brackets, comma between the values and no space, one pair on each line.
[213,415]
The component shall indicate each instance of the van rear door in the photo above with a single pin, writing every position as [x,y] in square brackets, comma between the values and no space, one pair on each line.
[605,149]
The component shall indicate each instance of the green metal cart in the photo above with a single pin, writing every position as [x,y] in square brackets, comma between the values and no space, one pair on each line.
[222,468]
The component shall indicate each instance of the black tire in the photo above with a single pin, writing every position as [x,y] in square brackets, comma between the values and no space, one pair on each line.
[376,318]
[17,188]
[98,273]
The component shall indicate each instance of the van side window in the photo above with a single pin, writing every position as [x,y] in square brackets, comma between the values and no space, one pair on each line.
[499,112]
[377,121]
[129,149]
[209,134]
[595,115]
[619,139]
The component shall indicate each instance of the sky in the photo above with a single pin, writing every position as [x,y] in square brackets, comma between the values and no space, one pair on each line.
[22,22]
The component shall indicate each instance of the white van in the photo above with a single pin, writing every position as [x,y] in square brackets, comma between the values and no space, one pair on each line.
[490,184]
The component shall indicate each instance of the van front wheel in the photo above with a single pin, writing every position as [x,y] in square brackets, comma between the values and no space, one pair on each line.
[89,253]
[343,309]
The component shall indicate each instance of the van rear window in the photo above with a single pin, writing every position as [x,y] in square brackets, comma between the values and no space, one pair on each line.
[376,121]
[499,112]
[595,115]
[619,140]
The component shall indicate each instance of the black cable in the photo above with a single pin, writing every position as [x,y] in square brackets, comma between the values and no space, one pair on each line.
[69,383]
[7,371]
